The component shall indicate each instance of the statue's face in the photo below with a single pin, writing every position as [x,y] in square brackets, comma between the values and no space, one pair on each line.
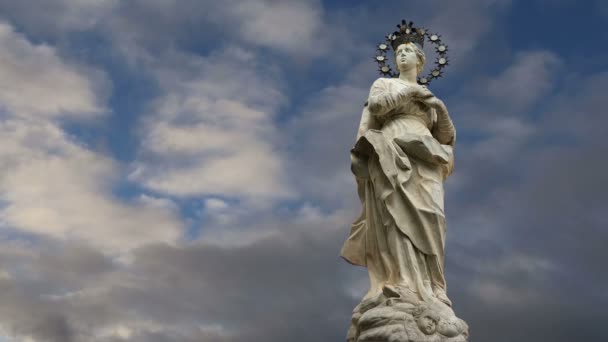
[405,57]
[427,324]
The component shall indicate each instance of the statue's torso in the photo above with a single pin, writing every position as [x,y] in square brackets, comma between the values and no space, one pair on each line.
[409,116]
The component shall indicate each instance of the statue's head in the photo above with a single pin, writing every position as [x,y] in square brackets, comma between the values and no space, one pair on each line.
[409,55]
[427,321]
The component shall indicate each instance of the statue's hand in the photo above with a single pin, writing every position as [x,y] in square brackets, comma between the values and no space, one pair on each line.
[435,103]
[421,93]
[426,97]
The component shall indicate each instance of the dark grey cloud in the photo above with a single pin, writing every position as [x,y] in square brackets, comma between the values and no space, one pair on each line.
[288,286]
[531,266]
[24,313]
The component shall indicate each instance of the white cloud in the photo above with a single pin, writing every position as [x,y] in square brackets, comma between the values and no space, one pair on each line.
[216,204]
[294,27]
[528,79]
[211,133]
[50,184]
[241,225]
[54,187]
[36,83]
[56,17]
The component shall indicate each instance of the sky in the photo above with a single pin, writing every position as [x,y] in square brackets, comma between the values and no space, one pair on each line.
[179,170]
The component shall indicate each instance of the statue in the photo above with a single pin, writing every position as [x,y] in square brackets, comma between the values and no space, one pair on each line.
[403,153]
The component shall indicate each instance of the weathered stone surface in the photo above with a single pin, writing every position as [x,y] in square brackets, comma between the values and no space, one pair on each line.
[396,318]
[403,153]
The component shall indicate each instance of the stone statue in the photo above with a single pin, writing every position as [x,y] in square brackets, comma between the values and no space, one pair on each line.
[403,153]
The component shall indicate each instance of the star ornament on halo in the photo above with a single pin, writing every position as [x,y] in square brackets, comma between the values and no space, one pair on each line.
[407,33]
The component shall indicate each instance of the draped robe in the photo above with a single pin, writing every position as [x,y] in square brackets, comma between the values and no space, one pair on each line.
[400,165]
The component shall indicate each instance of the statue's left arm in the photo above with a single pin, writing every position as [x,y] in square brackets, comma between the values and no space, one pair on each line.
[443,129]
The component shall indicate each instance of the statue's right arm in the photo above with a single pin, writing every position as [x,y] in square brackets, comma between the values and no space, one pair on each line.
[381,100]
[368,121]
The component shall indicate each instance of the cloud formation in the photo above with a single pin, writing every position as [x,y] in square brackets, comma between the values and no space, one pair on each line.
[51,184]
[37,83]
[227,223]
[206,128]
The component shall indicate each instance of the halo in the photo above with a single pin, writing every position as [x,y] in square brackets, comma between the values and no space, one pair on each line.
[409,33]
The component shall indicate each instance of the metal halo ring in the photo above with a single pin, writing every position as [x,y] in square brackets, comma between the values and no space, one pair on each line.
[434,38]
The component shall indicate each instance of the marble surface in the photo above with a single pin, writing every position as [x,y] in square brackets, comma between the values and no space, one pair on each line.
[403,153]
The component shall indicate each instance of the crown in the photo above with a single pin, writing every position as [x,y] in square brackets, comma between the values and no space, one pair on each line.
[407,33]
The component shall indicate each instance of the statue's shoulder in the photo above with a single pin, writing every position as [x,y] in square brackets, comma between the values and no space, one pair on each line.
[382,82]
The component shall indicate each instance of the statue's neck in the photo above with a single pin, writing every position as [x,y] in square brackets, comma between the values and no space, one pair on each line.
[408,76]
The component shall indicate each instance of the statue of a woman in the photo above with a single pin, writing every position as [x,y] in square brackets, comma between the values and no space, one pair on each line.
[404,152]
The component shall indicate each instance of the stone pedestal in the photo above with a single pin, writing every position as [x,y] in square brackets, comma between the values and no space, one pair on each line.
[397,315]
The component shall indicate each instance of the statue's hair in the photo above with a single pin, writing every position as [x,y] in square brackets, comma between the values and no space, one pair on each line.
[419,53]
[423,310]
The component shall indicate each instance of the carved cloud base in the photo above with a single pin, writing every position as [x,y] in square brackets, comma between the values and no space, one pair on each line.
[397,315]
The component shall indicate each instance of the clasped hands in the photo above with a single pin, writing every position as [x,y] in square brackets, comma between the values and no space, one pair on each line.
[419,94]
[426,97]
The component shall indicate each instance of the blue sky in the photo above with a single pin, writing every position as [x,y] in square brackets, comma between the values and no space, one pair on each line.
[179,170]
